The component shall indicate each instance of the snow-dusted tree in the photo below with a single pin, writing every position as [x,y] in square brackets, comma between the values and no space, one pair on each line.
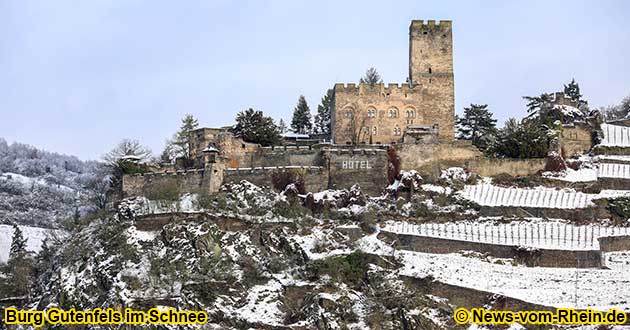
[371,77]
[617,111]
[526,139]
[127,148]
[253,126]
[572,91]
[301,122]
[477,125]
[282,126]
[324,109]
[17,251]
[98,186]
[179,146]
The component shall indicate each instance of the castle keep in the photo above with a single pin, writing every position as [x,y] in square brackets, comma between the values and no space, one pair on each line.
[425,105]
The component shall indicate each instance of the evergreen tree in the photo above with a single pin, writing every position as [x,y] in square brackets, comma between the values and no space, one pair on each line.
[371,77]
[572,91]
[253,126]
[477,125]
[516,139]
[17,252]
[282,126]
[180,145]
[324,109]
[301,122]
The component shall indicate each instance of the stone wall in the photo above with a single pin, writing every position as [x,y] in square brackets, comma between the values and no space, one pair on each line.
[284,156]
[614,243]
[430,159]
[315,178]
[575,140]
[191,181]
[365,167]
[534,258]
[514,167]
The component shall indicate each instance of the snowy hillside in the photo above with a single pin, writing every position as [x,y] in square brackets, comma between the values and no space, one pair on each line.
[41,188]
[34,236]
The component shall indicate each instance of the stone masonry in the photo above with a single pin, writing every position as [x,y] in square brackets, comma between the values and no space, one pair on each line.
[377,113]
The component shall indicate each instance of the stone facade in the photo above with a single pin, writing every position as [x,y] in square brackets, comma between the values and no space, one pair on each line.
[377,113]
[575,139]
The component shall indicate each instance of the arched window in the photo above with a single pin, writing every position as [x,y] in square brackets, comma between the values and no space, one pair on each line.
[371,113]
[397,131]
[348,113]
[393,113]
[374,130]
[411,113]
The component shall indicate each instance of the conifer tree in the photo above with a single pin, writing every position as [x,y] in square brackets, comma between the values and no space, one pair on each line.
[253,126]
[324,109]
[371,77]
[572,91]
[180,145]
[477,125]
[17,251]
[301,122]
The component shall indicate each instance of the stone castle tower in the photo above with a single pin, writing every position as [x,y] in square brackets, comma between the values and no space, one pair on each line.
[426,103]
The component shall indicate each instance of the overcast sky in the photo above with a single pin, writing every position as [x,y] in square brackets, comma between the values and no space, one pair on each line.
[78,76]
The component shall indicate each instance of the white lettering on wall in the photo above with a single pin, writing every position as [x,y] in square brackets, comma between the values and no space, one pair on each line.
[356,165]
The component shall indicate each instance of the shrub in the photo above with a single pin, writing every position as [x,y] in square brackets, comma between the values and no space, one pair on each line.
[280,179]
[620,207]
[349,269]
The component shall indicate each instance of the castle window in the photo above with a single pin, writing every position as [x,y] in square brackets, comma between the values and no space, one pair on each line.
[411,113]
[397,131]
[393,113]
[374,130]
[430,71]
[371,113]
[348,113]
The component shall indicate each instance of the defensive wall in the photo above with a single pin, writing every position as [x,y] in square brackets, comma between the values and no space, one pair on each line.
[208,179]
[314,178]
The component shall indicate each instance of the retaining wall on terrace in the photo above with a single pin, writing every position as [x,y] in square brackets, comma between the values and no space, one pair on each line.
[531,257]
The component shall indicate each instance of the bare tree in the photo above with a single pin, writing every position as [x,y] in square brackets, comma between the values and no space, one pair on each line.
[126,148]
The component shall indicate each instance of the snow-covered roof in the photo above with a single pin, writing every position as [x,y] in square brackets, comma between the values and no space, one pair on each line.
[615,136]
[292,135]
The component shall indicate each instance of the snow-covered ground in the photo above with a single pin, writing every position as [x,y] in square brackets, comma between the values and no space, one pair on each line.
[541,197]
[601,170]
[600,289]
[34,235]
[539,234]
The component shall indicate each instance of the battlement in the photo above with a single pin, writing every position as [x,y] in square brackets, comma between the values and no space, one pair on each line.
[421,25]
[390,88]
[170,173]
[272,168]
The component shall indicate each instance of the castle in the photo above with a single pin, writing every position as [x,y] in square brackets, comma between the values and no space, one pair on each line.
[373,127]
[379,114]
